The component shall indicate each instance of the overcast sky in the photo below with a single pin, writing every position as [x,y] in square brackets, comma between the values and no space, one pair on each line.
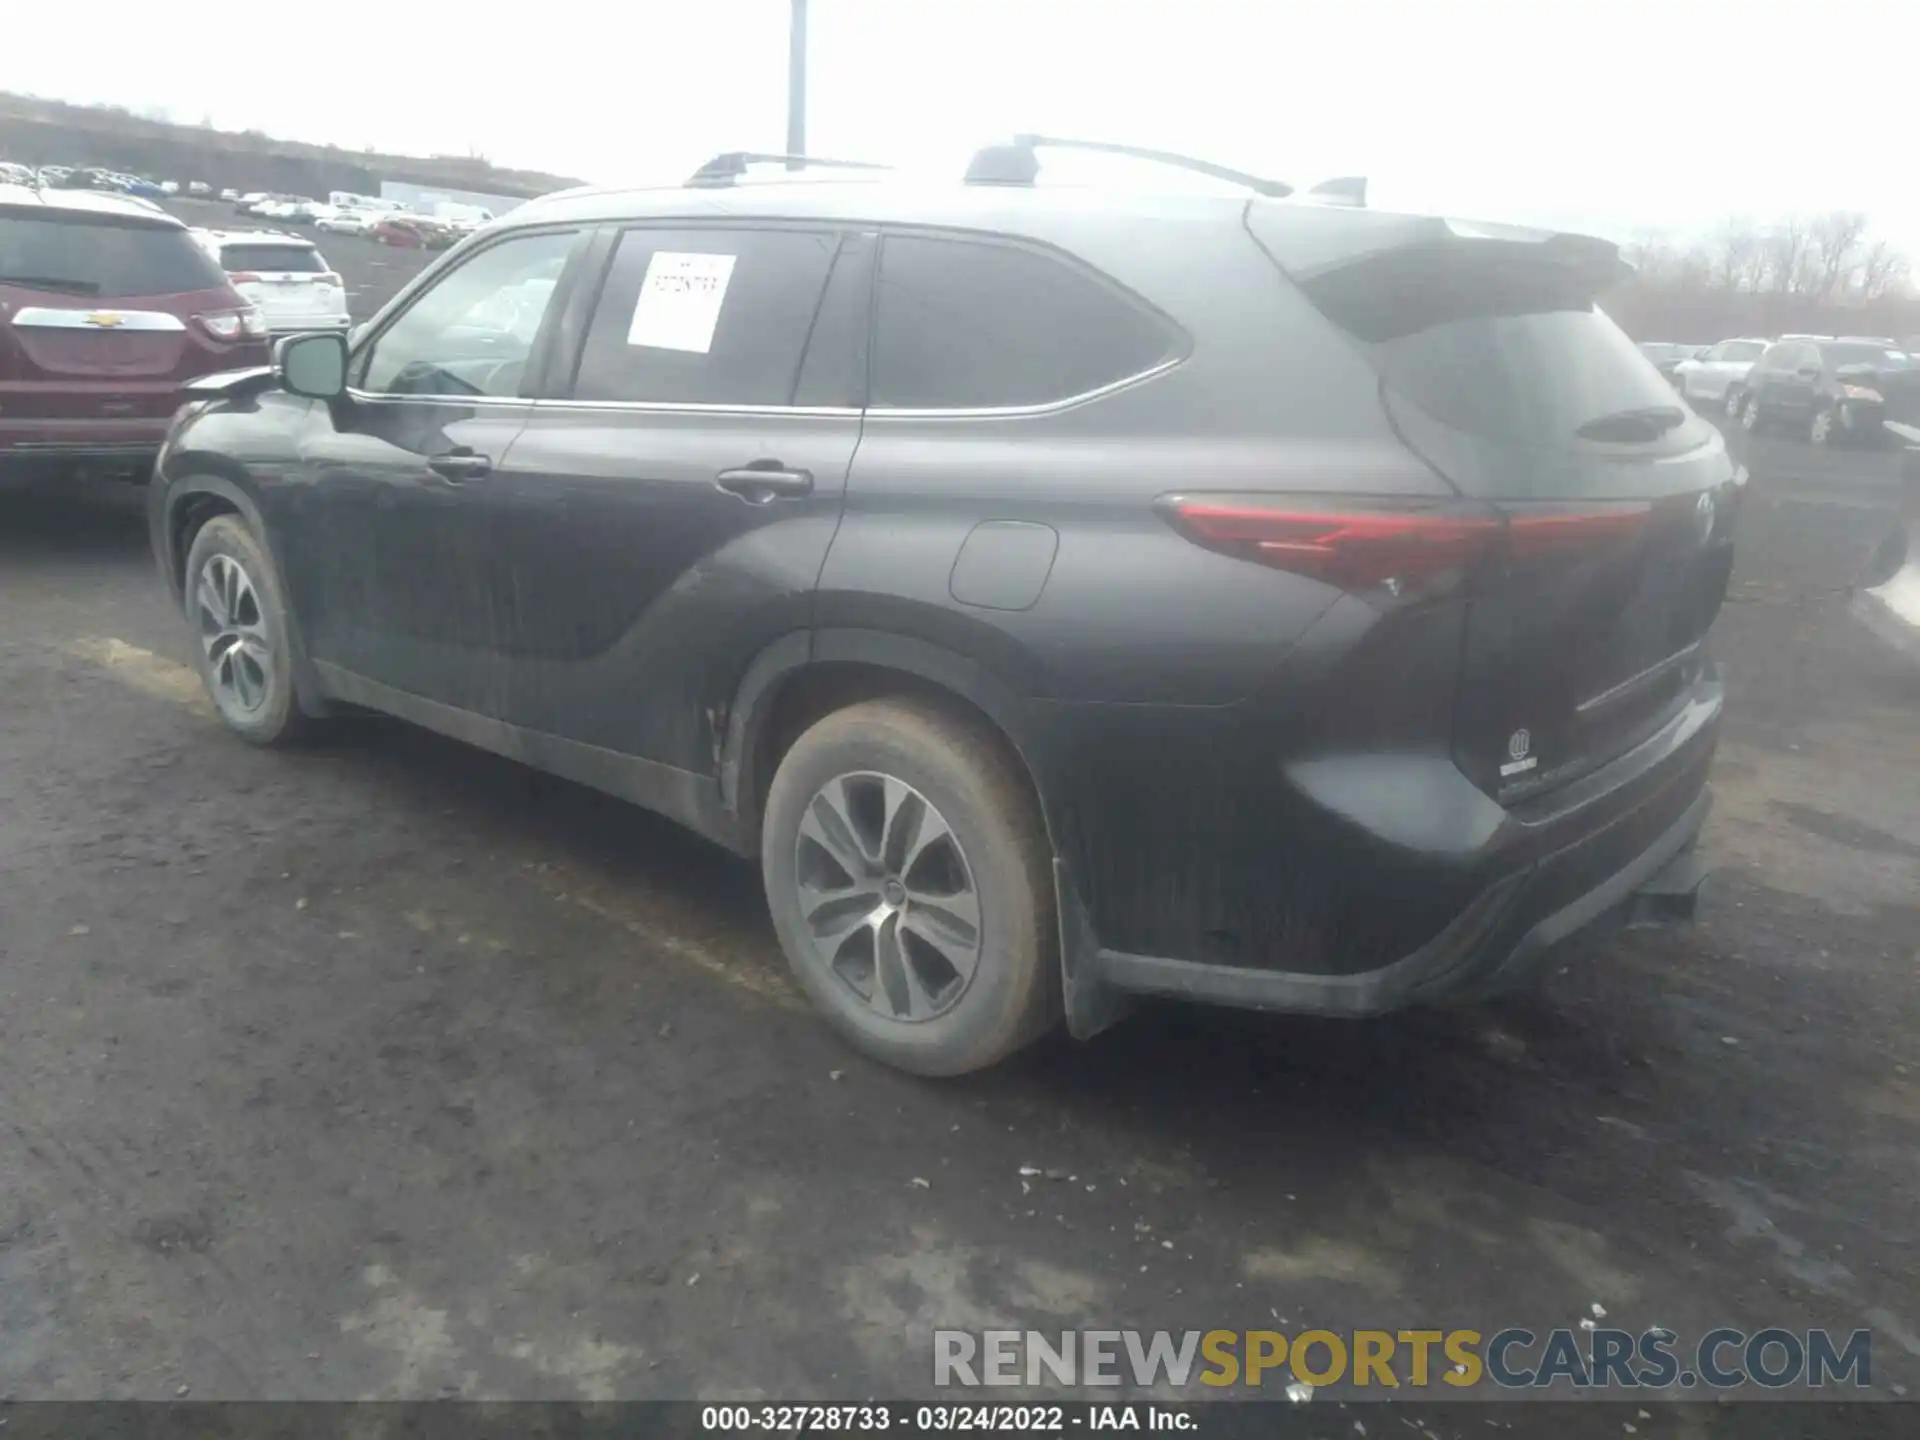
[1621,117]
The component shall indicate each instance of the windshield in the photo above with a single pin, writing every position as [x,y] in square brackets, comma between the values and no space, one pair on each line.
[301,259]
[102,255]
[1543,376]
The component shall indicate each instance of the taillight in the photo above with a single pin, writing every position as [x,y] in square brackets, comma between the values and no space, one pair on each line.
[1397,542]
[1345,540]
[244,277]
[231,325]
[329,278]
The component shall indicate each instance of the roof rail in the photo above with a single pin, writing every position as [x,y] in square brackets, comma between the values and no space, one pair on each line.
[726,168]
[1016,164]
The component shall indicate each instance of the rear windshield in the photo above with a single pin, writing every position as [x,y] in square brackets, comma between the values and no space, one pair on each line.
[101,256]
[1862,355]
[301,259]
[1537,377]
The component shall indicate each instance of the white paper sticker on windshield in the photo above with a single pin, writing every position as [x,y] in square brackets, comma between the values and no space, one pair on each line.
[680,301]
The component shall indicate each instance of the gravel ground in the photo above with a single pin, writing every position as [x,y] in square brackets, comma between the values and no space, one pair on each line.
[395,1070]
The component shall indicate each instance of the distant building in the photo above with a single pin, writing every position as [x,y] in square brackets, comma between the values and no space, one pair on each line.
[431,199]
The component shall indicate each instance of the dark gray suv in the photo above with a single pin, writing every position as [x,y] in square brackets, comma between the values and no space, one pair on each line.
[1066,595]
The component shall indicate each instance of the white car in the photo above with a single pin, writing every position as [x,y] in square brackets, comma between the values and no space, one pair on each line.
[1718,378]
[349,222]
[286,276]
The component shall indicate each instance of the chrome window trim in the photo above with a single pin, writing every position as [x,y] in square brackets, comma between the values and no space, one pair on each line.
[999,412]
[49,317]
[663,407]
[374,397]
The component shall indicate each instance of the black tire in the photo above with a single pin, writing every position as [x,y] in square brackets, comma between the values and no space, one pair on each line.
[1013,995]
[1752,419]
[1733,402]
[277,719]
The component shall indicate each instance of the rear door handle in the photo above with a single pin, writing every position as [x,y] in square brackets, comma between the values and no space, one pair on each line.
[460,466]
[761,487]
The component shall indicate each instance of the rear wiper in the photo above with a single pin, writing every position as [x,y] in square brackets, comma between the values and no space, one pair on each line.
[52,282]
[1648,423]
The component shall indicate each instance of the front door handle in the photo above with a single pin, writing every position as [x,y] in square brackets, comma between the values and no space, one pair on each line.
[761,486]
[460,465]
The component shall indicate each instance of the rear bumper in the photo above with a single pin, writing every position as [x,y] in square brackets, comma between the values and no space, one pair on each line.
[279,326]
[1481,955]
[1619,854]
[45,447]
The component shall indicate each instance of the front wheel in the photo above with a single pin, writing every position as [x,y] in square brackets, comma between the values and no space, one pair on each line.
[1734,402]
[909,877]
[1750,417]
[242,642]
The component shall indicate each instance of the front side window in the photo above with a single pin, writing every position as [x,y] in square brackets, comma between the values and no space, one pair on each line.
[969,324]
[473,331]
[706,317]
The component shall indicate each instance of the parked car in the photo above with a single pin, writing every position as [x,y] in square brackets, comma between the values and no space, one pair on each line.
[170,187]
[284,276]
[1665,354]
[349,222]
[54,176]
[199,188]
[1887,600]
[107,308]
[245,203]
[1833,391]
[12,174]
[409,232]
[953,552]
[1717,377]
[229,194]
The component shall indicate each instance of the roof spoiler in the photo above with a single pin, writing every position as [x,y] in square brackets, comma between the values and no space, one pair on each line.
[731,166]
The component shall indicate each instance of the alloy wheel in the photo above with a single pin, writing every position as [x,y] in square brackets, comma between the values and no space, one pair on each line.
[1822,430]
[887,897]
[233,633]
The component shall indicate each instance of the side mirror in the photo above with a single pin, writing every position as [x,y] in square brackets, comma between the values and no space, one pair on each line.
[312,365]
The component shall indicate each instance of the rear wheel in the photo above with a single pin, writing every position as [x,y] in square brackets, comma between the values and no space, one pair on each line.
[242,644]
[1735,402]
[908,874]
[1750,417]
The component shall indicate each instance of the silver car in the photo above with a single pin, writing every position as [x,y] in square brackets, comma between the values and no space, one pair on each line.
[1718,378]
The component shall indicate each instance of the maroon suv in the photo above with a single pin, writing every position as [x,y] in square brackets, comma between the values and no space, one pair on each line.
[107,307]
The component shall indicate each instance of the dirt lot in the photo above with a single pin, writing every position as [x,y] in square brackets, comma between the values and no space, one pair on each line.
[392,1069]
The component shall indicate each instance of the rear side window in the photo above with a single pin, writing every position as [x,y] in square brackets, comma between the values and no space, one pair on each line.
[1534,377]
[706,317]
[301,259]
[97,256]
[968,324]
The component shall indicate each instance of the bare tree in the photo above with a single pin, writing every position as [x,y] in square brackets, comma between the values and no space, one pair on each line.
[1834,242]
[1882,271]
[1733,254]
[1789,258]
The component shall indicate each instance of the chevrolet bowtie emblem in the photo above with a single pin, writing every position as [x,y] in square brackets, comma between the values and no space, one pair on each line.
[106,319]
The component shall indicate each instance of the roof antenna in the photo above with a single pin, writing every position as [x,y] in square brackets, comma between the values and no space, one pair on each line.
[1347,190]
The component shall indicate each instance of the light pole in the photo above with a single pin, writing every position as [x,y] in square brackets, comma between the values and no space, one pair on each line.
[797,83]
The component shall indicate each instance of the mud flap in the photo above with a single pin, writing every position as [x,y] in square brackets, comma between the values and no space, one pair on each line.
[1091,1004]
[1672,895]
